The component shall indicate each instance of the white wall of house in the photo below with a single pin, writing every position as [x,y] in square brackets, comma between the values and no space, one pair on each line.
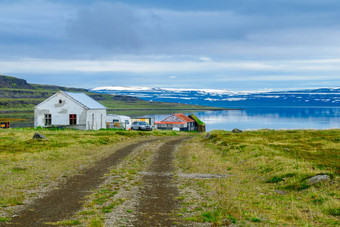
[60,113]
[96,119]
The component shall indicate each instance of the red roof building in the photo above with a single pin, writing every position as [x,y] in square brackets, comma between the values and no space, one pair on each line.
[178,122]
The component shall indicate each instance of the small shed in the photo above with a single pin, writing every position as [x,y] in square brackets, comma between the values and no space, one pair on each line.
[178,122]
[70,110]
[200,126]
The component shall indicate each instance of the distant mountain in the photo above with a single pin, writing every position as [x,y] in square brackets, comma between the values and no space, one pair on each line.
[9,82]
[16,95]
[226,98]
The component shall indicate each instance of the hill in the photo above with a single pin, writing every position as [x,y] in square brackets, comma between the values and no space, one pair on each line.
[16,95]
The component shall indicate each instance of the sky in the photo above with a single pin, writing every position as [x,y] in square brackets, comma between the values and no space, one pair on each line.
[208,44]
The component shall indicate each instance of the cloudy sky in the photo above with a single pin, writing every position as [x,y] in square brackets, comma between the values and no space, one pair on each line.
[234,44]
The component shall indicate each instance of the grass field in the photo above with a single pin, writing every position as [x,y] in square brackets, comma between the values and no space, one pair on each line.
[267,182]
[266,171]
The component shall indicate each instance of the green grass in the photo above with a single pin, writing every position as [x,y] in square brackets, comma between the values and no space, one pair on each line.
[319,147]
[334,211]
[268,182]
[196,119]
[69,223]
[4,219]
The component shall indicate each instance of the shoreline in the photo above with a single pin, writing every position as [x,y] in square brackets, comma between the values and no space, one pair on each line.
[145,109]
[148,109]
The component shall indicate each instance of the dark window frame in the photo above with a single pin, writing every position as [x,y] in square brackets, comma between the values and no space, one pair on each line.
[73,119]
[48,119]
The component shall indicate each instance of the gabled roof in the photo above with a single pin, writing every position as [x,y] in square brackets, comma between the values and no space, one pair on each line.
[181,117]
[86,100]
[81,98]
[185,118]
[170,122]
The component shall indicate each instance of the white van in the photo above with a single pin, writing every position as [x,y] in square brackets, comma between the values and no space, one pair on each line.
[118,121]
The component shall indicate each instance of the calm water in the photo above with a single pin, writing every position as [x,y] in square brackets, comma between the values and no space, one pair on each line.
[271,118]
[254,118]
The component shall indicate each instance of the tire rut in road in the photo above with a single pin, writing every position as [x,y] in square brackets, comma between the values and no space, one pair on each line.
[68,198]
[157,197]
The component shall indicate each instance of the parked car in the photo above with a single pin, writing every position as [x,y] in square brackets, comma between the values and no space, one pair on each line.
[141,125]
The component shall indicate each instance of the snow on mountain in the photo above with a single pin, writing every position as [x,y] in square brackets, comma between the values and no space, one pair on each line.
[177,90]
[122,88]
[227,98]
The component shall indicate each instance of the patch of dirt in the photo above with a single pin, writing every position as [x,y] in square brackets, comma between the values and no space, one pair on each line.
[157,201]
[189,175]
[69,197]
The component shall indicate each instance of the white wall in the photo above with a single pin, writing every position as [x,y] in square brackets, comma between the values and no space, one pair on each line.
[96,119]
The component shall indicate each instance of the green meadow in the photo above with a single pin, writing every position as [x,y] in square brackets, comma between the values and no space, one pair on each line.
[267,181]
[267,173]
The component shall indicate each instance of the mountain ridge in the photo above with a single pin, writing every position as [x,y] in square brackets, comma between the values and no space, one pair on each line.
[18,95]
[227,98]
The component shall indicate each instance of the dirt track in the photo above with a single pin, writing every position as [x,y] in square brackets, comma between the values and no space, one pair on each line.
[156,200]
[68,198]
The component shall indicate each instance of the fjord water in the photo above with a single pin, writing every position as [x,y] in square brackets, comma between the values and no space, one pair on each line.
[254,118]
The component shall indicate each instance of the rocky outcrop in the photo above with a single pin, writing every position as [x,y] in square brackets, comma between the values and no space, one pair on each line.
[12,82]
[318,179]
[236,130]
[39,136]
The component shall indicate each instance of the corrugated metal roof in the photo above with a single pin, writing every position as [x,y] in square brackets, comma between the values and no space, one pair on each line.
[185,118]
[85,100]
[169,123]
[180,116]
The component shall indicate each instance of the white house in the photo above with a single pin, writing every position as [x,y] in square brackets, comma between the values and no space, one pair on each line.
[70,109]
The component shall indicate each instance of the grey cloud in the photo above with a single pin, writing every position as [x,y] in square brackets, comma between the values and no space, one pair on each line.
[120,28]
[227,29]
[112,25]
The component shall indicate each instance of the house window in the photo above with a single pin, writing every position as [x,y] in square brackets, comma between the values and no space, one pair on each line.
[48,119]
[73,119]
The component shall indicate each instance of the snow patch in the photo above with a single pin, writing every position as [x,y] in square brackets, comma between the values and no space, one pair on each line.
[235,99]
